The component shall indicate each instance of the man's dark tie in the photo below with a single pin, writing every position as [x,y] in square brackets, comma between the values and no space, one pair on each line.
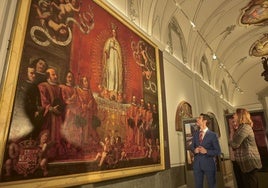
[201,136]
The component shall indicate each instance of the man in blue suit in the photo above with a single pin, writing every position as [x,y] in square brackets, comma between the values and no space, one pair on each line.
[206,148]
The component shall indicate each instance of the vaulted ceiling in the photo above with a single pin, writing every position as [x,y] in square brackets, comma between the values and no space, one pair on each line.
[234,31]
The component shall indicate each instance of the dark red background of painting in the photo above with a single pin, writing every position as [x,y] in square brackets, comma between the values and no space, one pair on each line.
[87,49]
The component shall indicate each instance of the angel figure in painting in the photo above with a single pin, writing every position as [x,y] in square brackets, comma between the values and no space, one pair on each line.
[142,58]
[66,7]
[13,154]
[44,147]
[107,149]
[43,11]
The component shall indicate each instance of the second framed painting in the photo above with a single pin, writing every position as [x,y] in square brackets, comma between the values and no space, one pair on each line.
[83,97]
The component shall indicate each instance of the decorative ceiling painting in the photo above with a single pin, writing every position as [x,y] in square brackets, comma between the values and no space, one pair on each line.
[260,47]
[256,13]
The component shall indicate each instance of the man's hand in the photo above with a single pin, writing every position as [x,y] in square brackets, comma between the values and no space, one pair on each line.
[202,150]
[197,150]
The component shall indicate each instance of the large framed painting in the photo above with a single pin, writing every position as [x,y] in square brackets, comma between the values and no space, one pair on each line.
[82,97]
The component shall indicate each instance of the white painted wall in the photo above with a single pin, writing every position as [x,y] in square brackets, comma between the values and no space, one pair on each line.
[7,11]
[183,85]
[179,87]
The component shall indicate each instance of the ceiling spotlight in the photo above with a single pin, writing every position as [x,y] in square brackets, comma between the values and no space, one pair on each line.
[192,24]
[178,5]
[221,65]
[239,90]
[214,57]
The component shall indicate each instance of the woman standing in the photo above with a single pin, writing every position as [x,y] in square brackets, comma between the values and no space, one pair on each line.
[246,152]
[236,169]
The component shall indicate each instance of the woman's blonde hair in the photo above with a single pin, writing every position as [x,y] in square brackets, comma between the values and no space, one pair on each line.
[243,117]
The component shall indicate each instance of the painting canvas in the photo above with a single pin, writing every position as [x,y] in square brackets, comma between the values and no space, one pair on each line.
[184,111]
[82,95]
[189,127]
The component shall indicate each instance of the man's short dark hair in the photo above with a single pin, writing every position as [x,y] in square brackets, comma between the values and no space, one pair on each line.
[206,117]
